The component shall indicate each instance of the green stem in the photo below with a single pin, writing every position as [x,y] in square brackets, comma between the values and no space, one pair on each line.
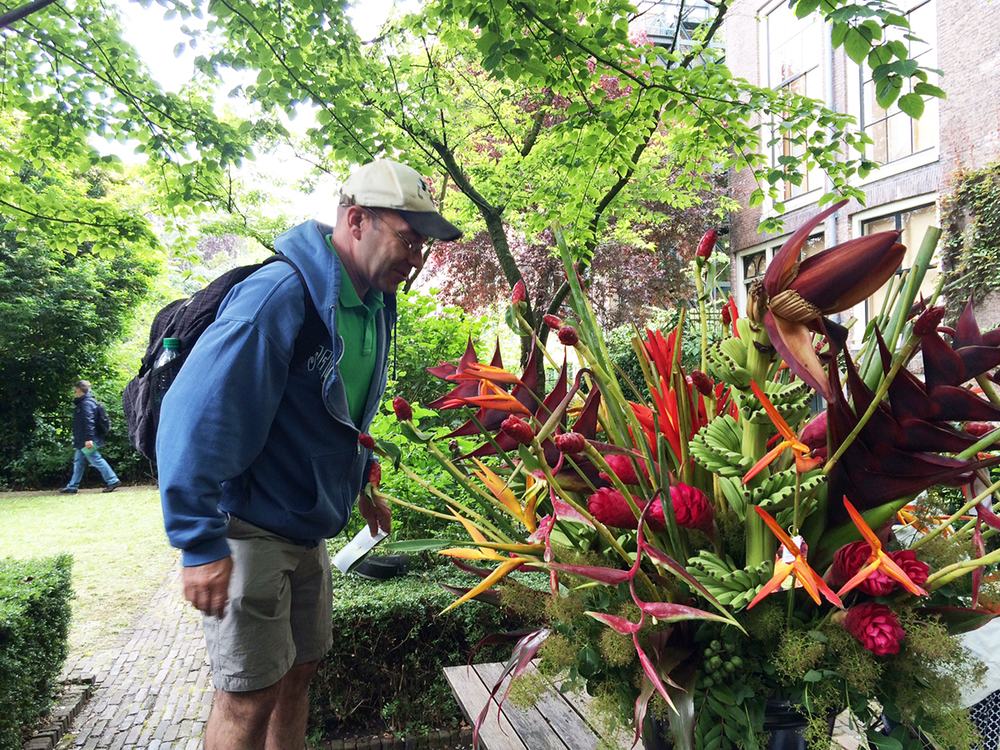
[761,543]
[956,516]
[988,390]
[956,570]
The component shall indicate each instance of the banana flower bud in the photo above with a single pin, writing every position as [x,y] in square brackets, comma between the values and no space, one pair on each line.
[404,412]
[518,294]
[707,244]
[799,293]
[366,441]
[552,321]
[518,429]
[568,336]
[571,442]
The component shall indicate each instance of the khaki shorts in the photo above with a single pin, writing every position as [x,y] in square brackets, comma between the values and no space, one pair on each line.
[279,613]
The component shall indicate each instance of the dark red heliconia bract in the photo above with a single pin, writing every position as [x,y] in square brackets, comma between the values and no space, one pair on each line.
[928,321]
[404,412]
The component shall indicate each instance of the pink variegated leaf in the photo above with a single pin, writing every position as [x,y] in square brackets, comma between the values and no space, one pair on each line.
[979,546]
[524,652]
[566,512]
[670,612]
[662,558]
[618,624]
[989,517]
[610,576]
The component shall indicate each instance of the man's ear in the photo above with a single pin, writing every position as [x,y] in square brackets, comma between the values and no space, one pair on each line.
[354,216]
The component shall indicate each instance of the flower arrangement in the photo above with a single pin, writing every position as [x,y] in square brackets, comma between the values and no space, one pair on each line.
[713,548]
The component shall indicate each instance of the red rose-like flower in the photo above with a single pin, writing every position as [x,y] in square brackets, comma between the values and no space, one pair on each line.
[609,507]
[916,569]
[518,294]
[571,442]
[876,626]
[622,466]
[404,412]
[848,560]
[692,508]
[568,336]
[367,440]
[375,474]
[518,429]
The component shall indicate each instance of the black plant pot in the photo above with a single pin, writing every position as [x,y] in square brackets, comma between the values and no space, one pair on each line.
[784,725]
[382,567]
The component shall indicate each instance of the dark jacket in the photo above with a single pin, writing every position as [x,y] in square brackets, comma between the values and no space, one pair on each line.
[84,427]
[243,432]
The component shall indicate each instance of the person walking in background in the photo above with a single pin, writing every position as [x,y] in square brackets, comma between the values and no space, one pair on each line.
[259,454]
[86,440]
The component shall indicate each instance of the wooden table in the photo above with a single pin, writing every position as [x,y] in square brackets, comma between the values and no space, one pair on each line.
[557,721]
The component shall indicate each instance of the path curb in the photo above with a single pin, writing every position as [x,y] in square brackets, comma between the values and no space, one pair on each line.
[75,694]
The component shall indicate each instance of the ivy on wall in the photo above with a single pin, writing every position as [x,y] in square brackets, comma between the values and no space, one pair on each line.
[970,242]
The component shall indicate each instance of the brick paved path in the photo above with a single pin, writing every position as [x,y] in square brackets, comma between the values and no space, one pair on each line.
[152,691]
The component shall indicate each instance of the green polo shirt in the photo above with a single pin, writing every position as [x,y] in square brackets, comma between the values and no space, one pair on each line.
[356,327]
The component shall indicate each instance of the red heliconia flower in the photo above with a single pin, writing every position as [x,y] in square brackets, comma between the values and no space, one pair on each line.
[404,412]
[876,626]
[692,508]
[571,442]
[518,429]
[800,293]
[367,441]
[707,244]
[375,474]
[552,321]
[622,467]
[568,336]
[609,507]
[518,293]
[929,321]
[702,382]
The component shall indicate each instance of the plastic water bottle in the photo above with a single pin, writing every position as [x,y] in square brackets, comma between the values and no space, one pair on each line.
[165,376]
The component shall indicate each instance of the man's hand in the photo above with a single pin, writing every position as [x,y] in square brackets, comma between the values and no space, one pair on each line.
[89,444]
[377,513]
[207,586]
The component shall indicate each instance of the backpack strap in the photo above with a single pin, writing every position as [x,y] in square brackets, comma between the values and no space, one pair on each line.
[313,331]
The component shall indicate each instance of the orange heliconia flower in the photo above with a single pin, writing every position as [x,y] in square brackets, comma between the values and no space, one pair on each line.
[811,581]
[803,461]
[879,559]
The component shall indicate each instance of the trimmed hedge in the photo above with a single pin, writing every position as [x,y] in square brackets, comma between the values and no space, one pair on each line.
[34,630]
[391,642]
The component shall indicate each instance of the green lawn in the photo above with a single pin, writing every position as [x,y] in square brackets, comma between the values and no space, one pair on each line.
[120,553]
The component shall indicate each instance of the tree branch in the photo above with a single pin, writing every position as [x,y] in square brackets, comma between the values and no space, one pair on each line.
[12,16]
[536,127]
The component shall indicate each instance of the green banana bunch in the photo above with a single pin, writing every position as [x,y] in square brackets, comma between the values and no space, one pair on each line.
[732,586]
[718,448]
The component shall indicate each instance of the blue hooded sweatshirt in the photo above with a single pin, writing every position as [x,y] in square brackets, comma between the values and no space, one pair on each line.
[243,433]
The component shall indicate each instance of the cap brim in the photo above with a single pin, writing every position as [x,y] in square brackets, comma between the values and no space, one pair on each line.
[430,224]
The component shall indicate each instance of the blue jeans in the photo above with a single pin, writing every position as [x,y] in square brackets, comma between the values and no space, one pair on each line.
[80,461]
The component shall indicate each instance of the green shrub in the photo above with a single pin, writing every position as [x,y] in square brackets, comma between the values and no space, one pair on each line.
[34,630]
[390,645]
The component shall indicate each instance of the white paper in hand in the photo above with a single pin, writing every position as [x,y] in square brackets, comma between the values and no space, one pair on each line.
[356,550]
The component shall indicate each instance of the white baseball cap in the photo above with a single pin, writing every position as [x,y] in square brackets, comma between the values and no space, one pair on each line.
[388,184]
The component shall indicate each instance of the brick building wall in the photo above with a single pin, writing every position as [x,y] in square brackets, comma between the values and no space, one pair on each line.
[968,51]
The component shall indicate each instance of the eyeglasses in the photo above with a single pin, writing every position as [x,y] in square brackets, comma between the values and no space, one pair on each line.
[412,246]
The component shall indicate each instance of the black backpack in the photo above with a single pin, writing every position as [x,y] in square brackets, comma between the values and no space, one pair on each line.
[186,319]
[102,424]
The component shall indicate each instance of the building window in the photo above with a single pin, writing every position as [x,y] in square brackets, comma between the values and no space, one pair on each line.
[894,133]
[793,48]
[912,223]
